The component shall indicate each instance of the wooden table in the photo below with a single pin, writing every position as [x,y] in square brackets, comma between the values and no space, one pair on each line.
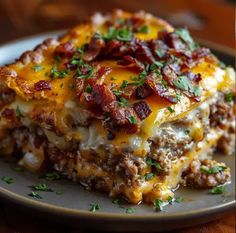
[211,20]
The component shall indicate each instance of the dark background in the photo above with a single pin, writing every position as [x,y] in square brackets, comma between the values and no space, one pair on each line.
[212,20]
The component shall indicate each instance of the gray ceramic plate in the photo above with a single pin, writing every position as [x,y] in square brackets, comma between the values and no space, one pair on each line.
[73,206]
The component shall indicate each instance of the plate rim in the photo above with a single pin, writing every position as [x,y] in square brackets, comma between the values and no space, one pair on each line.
[77,213]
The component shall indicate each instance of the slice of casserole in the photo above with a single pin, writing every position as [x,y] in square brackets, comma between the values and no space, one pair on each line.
[125,104]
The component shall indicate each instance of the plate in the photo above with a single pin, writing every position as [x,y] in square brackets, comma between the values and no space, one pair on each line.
[73,205]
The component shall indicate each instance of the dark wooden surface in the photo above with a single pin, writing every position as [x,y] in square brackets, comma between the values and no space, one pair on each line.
[212,20]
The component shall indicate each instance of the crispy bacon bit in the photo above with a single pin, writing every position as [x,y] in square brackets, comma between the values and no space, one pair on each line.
[193,77]
[160,89]
[79,86]
[143,53]
[121,115]
[112,48]
[102,72]
[38,141]
[101,96]
[8,113]
[170,74]
[143,91]
[174,41]
[65,50]
[158,48]
[142,109]
[131,128]
[94,48]
[42,85]
[131,62]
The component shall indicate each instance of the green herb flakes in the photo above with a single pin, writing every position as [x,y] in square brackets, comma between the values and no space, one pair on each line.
[185,36]
[171,110]
[229,97]
[132,120]
[55,73]
[159,205]
[18,169]
[143,29]
[212,170]
[130,210]
[59,192]
[37,68]
[88,88]
[89,71]
[124,84]
[42,187]
[7,179]
[52,176]
[19,114]
[179,199]
[149,176]
[123,102]
[152,162]
[170,200]
[35,195]
[94,207]
[116,201]
[218,190]
[121,34]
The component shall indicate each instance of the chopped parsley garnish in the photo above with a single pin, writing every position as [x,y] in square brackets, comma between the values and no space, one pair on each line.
[117,92]
[218,190]
[124,84]
[18,112]
[123,102]
[152,162]
[42,187]
[59,192]
[187,131]
[132,120]
[179,199]
[18,169]
[159,205]
[149,176]
[212,170]
[116,201]
[57,58]
[37,68]
[130,210]
[156,65]
[88,88]
[143,29]
[85,71]
[55,73]
[185,36]
[121,34]
[7,179]
[76,61]
[160,53]
[197,91]
[229,97]
[52,176]
[170,200]
[171,110]
[35,195]
[184,84]
[94,207]
[113,78]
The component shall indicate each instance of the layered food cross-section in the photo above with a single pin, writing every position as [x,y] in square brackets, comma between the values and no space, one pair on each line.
[124,103]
